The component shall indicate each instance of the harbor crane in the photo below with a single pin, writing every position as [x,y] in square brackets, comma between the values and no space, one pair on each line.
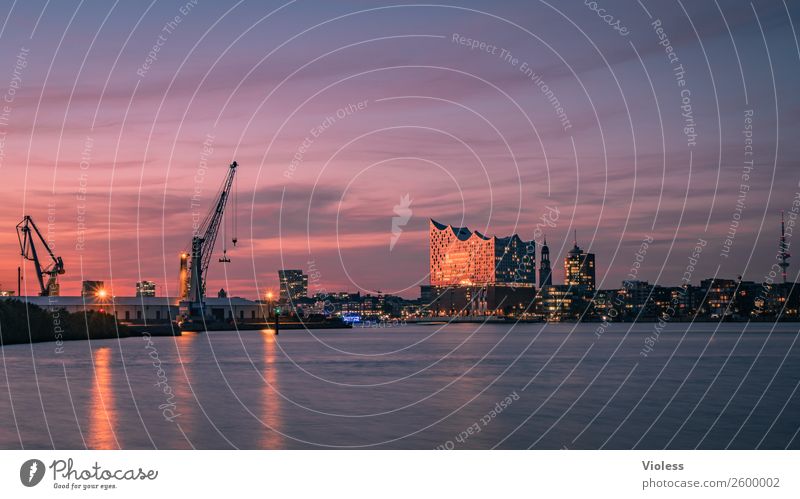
[202,246]
[27,233]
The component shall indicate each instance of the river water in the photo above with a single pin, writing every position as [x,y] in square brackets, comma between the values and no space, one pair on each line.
[468,386]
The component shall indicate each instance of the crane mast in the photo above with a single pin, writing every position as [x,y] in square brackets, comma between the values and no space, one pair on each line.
[202,247]
[27,233]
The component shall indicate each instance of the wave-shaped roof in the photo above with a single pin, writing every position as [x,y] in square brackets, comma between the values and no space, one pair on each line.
[463,233]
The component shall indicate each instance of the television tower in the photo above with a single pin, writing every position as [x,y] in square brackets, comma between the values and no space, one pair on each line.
[783,253]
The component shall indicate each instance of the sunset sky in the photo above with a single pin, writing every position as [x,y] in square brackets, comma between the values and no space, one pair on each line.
[376,100]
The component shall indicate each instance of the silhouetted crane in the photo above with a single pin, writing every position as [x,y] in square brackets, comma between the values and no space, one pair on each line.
[27,232]
[203,245]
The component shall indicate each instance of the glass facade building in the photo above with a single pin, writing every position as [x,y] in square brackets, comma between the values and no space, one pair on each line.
[460,257]
[579,269]
[293,285]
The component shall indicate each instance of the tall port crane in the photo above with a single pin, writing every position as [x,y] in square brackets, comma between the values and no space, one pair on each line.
[202,246]
[27,233]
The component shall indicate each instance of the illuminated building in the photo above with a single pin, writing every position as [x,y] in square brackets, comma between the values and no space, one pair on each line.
[472,301]
[145,288]
[459,256]
[557,302]
[293,284]
[720,294]
[475,275]
[579,269]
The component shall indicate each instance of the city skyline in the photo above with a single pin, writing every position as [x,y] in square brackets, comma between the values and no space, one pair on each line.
[568,268]
[113,146]
[392,225]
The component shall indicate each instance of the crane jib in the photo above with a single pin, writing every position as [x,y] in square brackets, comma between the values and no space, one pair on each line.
[202,247]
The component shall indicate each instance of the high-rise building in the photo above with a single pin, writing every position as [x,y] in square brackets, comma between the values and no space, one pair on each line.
[145,288]
[93,289]
[579,269]
[462,257]
[545,272]
[293,283]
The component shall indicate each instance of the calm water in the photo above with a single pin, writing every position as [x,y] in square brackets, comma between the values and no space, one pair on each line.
[411,387]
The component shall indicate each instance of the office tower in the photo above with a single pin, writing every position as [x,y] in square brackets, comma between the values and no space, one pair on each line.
[579,269]
[293,284]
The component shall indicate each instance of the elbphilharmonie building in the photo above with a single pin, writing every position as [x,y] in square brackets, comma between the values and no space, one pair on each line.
[461,257]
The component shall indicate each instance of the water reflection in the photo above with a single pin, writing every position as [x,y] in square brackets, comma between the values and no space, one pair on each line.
[102,413]
[182,375]
[271,404]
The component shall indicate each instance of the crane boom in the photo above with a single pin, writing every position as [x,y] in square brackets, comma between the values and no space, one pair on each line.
[204,238]
[27,231]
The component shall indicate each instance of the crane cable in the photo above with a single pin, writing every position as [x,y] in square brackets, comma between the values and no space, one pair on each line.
[224,258]
[235,211]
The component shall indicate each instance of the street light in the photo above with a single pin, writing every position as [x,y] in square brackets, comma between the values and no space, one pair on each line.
[269,304]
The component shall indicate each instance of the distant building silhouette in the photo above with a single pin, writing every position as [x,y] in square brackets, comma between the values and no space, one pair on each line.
[545,272]
[783,249]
